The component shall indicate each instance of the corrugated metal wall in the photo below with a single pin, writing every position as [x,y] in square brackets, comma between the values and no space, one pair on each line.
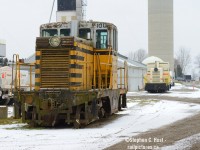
[135,75]
[135,78]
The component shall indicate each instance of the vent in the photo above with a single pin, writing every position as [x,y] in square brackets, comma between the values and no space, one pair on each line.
[55,68]
[156,77]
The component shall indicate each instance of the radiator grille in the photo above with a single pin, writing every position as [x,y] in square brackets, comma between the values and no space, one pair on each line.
[156,77]
[55,68]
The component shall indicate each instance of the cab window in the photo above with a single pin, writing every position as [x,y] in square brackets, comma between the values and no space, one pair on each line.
[101,39]
[84,32]
[64,32]
[49,32]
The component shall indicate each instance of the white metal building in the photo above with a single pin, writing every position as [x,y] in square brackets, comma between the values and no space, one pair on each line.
[136,72]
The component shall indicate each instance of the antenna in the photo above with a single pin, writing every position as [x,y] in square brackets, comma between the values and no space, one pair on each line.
[84,4]
[51,11]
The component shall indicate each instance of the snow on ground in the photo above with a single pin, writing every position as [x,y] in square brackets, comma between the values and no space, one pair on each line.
[176,91]
[185,144]
[139,117]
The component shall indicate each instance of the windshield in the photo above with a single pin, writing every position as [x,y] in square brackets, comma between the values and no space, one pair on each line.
[64,32]
[49,32]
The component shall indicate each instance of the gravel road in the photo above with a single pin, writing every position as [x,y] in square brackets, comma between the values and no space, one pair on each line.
[169,137]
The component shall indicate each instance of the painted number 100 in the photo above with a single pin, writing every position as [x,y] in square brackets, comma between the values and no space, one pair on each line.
[101,25]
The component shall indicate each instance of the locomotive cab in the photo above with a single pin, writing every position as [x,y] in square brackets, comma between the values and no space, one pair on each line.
[102,35]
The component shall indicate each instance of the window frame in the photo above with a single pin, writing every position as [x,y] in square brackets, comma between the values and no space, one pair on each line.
[65,29]
[102,43]
[89,29]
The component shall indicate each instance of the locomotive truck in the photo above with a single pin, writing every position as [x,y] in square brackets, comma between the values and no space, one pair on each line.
[76,80]
[157,78]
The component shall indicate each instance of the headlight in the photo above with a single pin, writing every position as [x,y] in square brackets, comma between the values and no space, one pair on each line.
[54,41]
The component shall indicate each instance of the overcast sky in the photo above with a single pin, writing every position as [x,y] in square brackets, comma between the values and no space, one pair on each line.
[20,21]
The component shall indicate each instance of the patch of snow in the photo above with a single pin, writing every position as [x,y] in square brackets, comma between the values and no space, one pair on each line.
[176,91]
[139,117]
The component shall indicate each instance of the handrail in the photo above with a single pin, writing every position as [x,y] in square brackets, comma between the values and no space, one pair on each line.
[17,81]
[15,57]
[99,72]
[125,84]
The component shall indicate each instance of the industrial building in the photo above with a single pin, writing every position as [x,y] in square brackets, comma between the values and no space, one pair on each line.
[2,52]
[2,48]
[68,10]
[160,30]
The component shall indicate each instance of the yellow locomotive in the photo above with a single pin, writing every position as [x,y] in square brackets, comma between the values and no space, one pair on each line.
[76,75]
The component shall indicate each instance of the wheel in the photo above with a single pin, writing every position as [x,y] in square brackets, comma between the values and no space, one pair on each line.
[124,105]
[17,109]
[119,103]
[101,113]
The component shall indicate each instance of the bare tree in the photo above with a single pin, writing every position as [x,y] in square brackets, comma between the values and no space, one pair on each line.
[197,60]
[184,58]
[194,74]
[177,68]
[138,55]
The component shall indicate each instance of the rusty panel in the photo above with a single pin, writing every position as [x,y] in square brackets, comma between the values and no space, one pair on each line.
[3,112]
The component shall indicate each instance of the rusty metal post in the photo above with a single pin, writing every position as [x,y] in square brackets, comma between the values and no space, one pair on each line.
[120,78]
[30,78]
[94,67]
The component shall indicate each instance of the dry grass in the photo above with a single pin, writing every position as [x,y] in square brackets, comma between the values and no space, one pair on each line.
[10,121]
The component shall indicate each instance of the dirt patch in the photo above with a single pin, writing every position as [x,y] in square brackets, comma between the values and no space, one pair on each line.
[195,146]
[10,121]
[103,121]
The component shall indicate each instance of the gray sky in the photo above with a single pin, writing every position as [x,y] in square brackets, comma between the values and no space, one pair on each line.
[20,21]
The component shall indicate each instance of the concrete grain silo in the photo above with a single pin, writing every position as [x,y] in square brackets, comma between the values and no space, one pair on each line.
[160,30]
